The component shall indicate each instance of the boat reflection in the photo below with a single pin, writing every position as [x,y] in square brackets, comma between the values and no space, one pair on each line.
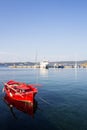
[25,107]
[43,72]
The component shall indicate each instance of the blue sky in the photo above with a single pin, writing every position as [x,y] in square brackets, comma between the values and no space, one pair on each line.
[53,29]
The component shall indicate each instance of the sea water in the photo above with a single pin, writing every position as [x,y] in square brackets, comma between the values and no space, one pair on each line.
[61,100]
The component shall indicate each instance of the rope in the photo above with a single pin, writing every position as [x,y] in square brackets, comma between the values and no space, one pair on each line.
[44,100]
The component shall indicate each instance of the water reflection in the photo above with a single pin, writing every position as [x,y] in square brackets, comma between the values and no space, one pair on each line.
[22,106]
[43,72]
[75,73]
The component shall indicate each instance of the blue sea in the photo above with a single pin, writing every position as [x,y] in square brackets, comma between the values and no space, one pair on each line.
[61,100]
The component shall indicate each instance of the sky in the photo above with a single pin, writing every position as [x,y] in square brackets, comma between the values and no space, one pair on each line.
[55,30]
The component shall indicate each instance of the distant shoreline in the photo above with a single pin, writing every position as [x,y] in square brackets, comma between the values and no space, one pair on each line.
[57,64]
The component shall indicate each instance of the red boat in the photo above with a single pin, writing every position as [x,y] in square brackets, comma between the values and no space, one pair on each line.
[20,91]
[22,106]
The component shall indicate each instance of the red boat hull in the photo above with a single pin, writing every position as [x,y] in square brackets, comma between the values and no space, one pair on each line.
[22,106]
[20,91]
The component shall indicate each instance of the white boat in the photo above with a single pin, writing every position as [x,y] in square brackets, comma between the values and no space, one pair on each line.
[44,64]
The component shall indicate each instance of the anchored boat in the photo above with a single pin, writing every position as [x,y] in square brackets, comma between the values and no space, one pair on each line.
[44,64]
[20,91]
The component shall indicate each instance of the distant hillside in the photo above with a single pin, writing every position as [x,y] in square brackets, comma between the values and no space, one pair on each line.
[17,63]
[68,62]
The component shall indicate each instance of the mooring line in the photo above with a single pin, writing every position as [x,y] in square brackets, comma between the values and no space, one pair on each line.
[44,100]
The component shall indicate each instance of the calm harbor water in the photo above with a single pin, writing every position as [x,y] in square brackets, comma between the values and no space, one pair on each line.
[61,101]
